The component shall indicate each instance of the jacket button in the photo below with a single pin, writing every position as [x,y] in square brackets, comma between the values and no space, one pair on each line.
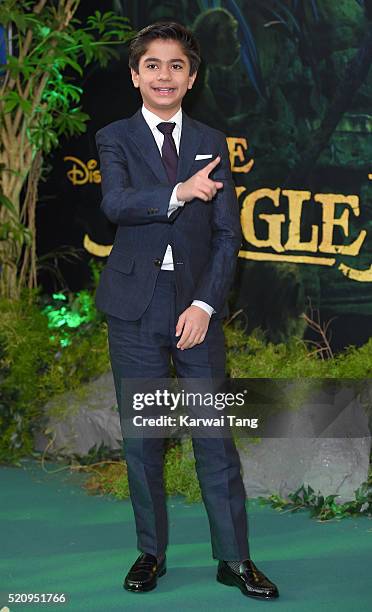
[157,262]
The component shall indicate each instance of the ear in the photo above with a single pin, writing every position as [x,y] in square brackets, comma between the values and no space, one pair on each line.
[135,77]
[191,80]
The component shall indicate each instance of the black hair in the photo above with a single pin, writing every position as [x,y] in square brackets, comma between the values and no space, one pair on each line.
[166,30]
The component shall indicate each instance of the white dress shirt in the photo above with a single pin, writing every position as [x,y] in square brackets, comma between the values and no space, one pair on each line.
[152,121]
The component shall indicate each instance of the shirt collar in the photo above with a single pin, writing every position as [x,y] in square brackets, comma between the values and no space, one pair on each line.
[152,120]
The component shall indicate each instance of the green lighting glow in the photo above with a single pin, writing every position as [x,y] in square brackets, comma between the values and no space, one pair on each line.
[59,296]
[45,31]
[67,317]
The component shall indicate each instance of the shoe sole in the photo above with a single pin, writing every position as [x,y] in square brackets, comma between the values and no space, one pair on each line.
[145,589]
[228,581]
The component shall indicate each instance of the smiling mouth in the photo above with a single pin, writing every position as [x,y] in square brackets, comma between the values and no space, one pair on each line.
[164,91]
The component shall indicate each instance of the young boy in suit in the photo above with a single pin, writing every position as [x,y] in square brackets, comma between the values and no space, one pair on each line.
[164,290]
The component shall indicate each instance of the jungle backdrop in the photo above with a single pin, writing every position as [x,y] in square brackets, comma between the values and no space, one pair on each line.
[288,81]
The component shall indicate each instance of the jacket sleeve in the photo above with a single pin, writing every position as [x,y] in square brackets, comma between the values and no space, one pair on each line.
[121,203]
[216,278]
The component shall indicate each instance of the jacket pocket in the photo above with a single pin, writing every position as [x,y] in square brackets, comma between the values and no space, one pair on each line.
[120,261]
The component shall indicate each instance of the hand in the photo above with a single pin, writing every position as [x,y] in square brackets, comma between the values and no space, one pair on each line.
[194,322]
[199,185]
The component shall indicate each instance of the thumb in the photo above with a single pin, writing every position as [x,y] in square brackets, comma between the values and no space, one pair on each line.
[180,324]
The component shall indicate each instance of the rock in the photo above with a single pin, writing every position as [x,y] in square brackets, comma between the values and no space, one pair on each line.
[327,446]
[77,421]
[329,465]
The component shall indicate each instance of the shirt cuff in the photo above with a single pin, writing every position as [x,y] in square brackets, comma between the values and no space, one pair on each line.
[204,306]
[173,202]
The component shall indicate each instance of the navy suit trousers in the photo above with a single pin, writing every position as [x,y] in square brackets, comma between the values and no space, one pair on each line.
[143,348]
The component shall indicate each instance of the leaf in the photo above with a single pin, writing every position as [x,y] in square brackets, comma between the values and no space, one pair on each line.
[73,122]
[25,105]
[8,204]
[11,101]
[86,41]
[19,19]
[43,137]
[65,59]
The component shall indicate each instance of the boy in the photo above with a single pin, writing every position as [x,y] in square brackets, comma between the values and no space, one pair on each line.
[164,290]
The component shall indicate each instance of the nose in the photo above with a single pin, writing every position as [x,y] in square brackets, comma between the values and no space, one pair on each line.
[164,73]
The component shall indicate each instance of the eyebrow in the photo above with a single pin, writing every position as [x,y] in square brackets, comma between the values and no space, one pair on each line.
[156,59]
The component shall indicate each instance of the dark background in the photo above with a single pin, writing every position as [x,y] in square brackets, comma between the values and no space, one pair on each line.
[267,81]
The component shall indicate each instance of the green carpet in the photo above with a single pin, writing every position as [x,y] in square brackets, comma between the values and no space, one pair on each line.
[57,538]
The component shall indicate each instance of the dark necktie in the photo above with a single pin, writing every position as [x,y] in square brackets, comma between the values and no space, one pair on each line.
[169,151]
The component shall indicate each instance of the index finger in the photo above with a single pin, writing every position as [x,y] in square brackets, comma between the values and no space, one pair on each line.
[185,336]
[209,167]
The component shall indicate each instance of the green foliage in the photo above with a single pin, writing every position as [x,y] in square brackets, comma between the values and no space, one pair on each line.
[50,101]
[110,478]
[179,472]
[179,475]
[25,352]
[253,357]
[180,479]
[47,47]
[96,454]
[51,345]
[67,313]
[96,268]
[324,508]
[35,365]
[13,229]
[56,54]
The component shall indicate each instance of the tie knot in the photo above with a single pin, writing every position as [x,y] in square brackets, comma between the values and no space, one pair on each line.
[166,127]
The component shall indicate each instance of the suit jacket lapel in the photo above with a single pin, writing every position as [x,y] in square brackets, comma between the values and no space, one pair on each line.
[189,145]
[142,136]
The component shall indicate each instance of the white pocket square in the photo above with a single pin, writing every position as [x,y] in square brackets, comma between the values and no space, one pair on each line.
[203,156]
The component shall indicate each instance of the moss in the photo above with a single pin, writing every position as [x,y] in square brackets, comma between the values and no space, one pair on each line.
[253,357]
[179,475]
[26,355]
[35,367]
[109,479]
[179,472]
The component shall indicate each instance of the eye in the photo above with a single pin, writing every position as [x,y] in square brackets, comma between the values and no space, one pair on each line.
[151,66]
[177,66]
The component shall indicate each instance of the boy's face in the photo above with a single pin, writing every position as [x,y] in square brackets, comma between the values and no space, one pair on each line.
[163,77]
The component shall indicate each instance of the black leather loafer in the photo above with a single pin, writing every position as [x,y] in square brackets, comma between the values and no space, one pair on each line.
[144,573]
[250,580]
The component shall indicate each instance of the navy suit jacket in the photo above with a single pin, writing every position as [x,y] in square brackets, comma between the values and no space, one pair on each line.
[205,236]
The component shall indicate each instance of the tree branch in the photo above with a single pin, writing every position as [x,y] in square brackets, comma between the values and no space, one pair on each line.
[355,75]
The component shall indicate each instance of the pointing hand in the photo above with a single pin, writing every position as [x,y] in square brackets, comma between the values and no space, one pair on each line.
[200,185]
